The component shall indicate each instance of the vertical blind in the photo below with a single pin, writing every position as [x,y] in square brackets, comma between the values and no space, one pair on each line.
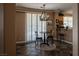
[33,25]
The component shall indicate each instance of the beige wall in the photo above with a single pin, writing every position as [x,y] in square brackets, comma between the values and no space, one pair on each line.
[68,35]
[20,26]
[75,29]
[52,16]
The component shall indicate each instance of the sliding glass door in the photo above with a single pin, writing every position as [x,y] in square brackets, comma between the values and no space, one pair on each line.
[33,24]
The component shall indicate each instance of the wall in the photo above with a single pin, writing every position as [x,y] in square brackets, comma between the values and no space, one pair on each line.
[1,30]
[26,27]
[68,36]
[76,29]
[52,16]
[20,27]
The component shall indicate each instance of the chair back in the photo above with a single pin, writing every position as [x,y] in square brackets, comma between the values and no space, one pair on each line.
[36,33]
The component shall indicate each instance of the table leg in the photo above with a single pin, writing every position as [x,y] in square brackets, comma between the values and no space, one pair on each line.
[44,37]
[44,41]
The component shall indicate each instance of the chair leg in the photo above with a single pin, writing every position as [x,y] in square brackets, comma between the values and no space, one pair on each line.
[36,43]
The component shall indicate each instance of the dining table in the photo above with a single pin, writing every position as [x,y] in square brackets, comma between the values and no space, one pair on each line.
[44,39]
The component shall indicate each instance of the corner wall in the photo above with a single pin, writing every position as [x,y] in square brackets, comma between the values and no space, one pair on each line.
[20,27]
[75,29]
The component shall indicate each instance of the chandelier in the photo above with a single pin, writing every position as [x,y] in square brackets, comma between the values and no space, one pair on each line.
[44,16]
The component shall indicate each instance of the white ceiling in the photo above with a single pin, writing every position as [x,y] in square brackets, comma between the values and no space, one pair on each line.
[49,6]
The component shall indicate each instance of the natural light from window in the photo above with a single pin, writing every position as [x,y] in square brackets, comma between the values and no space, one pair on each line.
[34,24]
[68,21]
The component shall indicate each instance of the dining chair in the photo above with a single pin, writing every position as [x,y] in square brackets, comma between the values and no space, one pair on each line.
[39,40]
[50,39]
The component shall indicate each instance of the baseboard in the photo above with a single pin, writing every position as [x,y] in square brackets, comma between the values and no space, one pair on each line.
[20,43]
[24,42]
[67,42]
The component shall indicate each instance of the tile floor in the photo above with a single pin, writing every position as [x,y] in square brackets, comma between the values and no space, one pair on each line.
[62,49]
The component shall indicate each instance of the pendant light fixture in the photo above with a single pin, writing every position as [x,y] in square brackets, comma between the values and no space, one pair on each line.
[44,16]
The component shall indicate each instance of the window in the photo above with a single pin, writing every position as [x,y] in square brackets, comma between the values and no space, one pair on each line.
[34,24]
[68,21]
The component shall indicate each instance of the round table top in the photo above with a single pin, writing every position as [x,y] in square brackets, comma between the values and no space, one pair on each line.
[46,47]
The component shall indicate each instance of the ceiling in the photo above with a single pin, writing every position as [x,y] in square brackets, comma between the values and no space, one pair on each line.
[49,6]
